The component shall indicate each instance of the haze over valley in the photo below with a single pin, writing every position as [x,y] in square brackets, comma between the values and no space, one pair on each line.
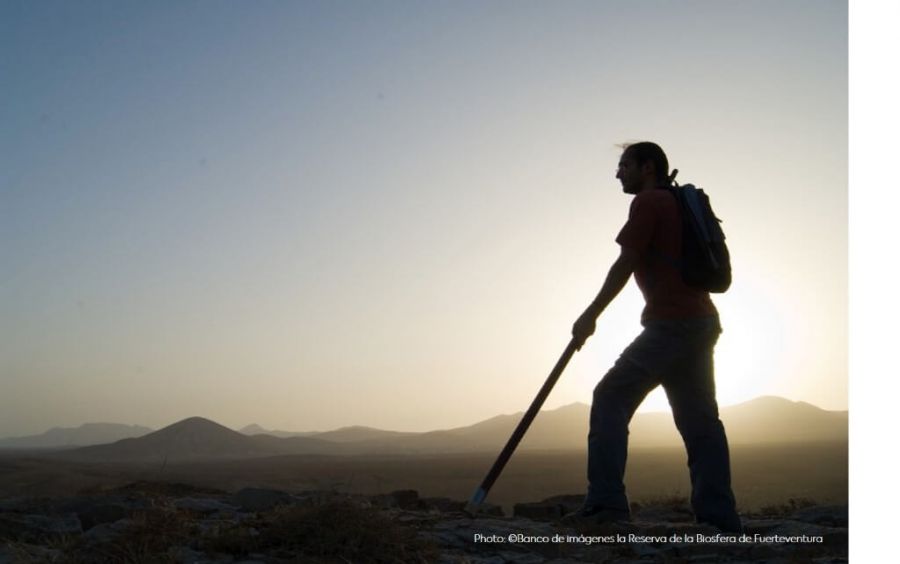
[765,420]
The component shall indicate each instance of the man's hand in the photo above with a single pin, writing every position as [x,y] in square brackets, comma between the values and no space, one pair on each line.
[618,275]
[584,327]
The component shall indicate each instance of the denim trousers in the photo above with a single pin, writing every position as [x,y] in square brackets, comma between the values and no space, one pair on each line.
[677,354]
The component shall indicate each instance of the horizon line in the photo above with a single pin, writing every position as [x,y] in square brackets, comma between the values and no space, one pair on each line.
[352,426]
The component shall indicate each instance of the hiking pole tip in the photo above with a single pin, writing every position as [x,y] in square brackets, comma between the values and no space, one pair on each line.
[474,504]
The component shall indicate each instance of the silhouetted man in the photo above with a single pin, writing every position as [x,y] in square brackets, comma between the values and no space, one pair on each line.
[675,349]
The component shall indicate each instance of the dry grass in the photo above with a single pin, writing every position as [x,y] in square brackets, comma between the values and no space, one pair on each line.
[339,530]
[336,531]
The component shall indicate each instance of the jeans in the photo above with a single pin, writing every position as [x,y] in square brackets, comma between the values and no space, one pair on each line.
[678,354]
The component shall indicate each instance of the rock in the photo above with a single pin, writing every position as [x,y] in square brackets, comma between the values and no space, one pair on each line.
[224,522]
[716,558]
[23,505]
[476,559]
[665,514]
[93,511]
[490,510]
[104,513]
[106,532]
[828,515]
[260,499]
[657,529]
[167,489]
[690,529]
[697,552]
[540,511]
[406,499]
[37,527]
[21,553]
[646,551]
[519,558]
[831,536]
[208,522]
[760,526]
[442,504]
[187,555]
[6,555]
[203,506]
[568,503]
[764,552]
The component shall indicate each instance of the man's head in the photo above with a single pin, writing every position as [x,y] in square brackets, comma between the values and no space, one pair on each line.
[642,165]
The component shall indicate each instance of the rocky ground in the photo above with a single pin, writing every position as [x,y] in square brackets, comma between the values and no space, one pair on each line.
[156,522]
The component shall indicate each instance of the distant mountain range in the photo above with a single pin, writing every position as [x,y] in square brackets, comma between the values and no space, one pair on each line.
[87,434]
[763,420]
[342,435]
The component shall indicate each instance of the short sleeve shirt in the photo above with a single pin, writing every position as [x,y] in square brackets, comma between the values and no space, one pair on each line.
[653,230]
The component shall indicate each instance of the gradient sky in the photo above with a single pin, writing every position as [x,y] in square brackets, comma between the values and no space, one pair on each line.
[316,214]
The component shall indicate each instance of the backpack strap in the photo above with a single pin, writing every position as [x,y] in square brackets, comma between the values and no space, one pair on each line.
[690,197]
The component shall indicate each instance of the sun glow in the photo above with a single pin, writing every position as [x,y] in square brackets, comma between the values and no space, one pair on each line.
[751,349]
[751,352]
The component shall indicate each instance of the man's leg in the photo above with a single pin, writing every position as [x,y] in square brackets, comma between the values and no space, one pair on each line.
[616,398]
[692,396]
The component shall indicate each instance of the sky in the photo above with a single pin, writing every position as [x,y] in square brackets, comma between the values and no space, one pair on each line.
[308,215]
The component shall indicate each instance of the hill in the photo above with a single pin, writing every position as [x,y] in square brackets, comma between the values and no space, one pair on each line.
[254,429]
[197,438]
[765,420]
[85,435]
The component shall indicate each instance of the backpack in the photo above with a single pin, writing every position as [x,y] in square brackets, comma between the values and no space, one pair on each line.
[705,262]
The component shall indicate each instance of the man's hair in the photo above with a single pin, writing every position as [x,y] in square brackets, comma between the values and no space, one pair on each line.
[647,151]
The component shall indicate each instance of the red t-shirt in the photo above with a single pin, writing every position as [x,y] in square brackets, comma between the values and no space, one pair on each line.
[654,231]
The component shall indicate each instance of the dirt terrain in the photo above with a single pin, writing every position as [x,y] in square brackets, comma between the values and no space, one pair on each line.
[170,522]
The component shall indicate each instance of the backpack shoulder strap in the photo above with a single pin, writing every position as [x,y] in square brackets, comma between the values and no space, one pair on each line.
[690,198]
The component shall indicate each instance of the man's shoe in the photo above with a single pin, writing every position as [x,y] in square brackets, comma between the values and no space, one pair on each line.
[591,515]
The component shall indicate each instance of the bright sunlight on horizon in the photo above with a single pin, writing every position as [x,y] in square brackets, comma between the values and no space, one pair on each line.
[309,215]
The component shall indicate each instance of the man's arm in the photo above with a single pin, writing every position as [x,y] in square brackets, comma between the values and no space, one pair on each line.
[618,276]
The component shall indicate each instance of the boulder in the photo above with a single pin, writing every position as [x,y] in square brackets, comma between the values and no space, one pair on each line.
[203,506]
[106,532]
[37,527]
[403,499]
[105,513]
[261,499]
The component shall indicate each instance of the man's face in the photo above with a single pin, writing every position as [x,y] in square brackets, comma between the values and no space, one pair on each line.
[629,174]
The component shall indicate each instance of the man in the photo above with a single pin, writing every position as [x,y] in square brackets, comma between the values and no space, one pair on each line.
[675,350]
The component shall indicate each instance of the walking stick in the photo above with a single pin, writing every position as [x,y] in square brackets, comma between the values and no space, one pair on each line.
[513,442]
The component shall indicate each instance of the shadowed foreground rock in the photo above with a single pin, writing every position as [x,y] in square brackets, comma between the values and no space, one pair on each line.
[148,522]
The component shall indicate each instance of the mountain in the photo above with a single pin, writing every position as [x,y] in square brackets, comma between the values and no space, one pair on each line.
[197,438]
[762,420]
[254,429]
[85,435]
[343,435]
[767,419]
[771,419]
[357,434]
[562,428]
